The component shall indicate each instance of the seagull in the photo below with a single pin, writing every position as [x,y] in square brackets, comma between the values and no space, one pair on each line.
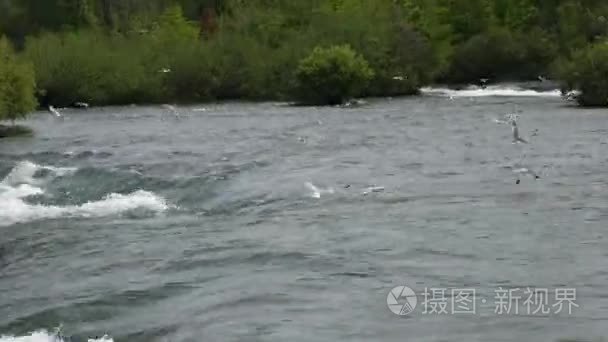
[515,130]
[542,78]
[55,112]
[525,171]
[171,109]
[571,95]
[399,78]
[508,118]
[502,122]
[484,82]
[372,189]
[317,192]
[512,119]
[165,70]
[81,105]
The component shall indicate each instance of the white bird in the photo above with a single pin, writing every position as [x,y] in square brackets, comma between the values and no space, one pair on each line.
[165,70]
[81,105]
[524,171]
[172,110]
[399,78]
[507,118]
[55,112]
[484,82]
[372,189]
[571,95]
[317,192]
[515,130]
[499,121]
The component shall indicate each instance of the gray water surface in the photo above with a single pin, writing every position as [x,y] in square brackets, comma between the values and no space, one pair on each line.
[146,227]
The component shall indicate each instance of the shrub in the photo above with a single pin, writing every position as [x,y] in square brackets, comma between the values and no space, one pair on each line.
[17,83]
[408,63]
[92,67]
[540,51]
[493,54]
[331,76]
[587,72]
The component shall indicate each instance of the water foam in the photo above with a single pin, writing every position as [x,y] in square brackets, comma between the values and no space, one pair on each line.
[496,91]
[21,183]
[45,336]
[25,171]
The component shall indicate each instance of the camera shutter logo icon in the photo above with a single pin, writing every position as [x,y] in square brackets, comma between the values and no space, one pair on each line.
[402,300]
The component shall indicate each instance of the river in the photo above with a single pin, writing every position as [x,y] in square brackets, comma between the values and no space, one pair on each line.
[265,222]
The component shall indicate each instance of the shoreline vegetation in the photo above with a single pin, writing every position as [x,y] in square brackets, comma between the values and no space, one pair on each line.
[101,52]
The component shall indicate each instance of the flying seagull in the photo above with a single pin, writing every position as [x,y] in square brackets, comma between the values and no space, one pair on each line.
[81,105]
[484,82]
[515,130]
[507,118]
[317,192]
[55,112]
[172,110]
[525,171]
[373,189]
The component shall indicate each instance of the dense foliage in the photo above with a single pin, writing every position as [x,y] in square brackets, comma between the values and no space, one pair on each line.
[332,75]
[588,73]
[114,52]
[16,85]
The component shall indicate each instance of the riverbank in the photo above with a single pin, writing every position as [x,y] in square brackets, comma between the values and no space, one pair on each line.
[257,53]
[506,89]
[14,131]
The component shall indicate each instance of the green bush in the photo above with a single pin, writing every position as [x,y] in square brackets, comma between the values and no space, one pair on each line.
[408,63]
[17,84]
[494,54]
[587,72]
[89,66]
[332,76]
[105,68]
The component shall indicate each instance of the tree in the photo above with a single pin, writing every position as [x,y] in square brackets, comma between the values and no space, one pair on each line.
[17,83]
[332,75]
[587,72]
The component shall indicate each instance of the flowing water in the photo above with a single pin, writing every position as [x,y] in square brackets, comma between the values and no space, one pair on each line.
[264,222]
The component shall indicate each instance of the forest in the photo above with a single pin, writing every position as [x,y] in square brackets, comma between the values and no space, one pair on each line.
[112,52]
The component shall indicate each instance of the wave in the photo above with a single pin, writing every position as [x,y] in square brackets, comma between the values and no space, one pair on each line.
[27,179]
[26,172]
[45,336]
[496,91]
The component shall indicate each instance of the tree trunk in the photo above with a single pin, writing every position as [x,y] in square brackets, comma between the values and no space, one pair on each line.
[208,21]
